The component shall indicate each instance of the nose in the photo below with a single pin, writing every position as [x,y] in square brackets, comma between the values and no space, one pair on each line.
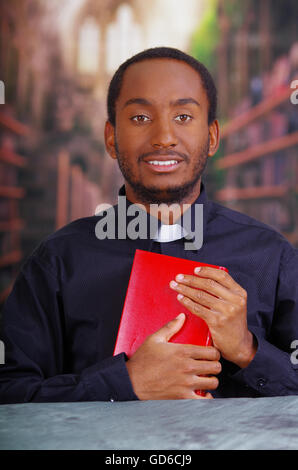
[163,135]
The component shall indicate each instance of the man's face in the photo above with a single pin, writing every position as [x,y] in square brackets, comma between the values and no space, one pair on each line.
[162,139]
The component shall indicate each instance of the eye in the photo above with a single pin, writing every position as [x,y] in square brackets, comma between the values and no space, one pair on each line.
[183,118]
[140,118]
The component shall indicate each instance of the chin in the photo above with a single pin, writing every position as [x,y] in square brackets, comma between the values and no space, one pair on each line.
[168,194]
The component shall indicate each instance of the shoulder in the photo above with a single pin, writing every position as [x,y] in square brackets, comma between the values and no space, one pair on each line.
[65,243]
[237,218]
[80,230]
[82,227]
[248,227]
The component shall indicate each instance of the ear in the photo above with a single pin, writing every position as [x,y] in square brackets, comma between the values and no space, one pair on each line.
[109,135]
[213,138]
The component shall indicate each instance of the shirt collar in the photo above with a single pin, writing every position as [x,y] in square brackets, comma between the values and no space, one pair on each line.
[188,226]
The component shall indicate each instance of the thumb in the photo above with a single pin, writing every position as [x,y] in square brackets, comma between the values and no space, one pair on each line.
[170,329]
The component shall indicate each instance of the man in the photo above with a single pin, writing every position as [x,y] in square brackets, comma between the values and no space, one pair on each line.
[62,317]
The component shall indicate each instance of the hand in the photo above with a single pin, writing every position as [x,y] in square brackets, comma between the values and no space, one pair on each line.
[223,306]
[160,370]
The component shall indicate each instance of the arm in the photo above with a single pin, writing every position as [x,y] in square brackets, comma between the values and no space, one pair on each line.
[264,362]
[36,360]
[273,370]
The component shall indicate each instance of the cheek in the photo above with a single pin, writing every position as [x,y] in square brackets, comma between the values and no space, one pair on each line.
[198,141]
[195,136]
[124,134]
[131,143]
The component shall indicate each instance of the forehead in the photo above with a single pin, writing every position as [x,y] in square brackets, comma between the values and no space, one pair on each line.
[161,81]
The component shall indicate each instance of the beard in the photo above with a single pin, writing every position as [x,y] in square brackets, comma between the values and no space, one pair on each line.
[171,194]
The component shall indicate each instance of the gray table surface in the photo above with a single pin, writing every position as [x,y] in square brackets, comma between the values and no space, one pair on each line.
[242,423]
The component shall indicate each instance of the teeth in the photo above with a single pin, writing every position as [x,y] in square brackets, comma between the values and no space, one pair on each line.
[167,162]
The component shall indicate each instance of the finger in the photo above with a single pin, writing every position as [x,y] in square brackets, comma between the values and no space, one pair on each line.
[205,383]
[221,276]
[199,367]
[208,285]
[200,296]
[197,309]
[166,332]
[207,353]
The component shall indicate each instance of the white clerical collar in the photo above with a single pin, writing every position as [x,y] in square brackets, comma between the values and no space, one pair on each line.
[169,233]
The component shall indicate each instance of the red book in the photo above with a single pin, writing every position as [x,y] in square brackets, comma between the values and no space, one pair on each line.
[150,303]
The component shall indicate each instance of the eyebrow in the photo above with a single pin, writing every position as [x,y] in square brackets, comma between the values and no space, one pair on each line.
[179,102]
[182,101]
[137,101]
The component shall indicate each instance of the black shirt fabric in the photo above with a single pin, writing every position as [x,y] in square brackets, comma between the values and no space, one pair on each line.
[61,319]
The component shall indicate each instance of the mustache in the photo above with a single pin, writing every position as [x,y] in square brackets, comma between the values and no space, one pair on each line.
[160,153]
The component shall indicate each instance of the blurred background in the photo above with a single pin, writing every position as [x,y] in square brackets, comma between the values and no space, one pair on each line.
[56,60]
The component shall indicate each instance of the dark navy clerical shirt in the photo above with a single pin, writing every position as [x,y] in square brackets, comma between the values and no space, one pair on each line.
[61,319]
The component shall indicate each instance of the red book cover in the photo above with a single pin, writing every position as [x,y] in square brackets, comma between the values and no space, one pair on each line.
[150,303]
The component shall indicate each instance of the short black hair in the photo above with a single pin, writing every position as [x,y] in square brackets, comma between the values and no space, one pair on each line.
[162,53]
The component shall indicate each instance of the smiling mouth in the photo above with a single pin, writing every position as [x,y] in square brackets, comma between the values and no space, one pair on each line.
[162,162]
[163,166]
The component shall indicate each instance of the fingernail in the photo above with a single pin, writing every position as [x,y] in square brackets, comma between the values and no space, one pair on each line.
[180,316]
[173,284]
[197,270]
[180,296]
[179,277]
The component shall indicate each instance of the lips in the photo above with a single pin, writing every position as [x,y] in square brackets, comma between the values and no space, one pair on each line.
[164,164]
[162,158]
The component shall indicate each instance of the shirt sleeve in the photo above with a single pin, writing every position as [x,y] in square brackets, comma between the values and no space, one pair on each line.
[34,337]
[274,369]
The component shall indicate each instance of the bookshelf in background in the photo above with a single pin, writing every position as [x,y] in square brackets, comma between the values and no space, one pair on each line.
[260,162]
[76,195]
[11,131]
